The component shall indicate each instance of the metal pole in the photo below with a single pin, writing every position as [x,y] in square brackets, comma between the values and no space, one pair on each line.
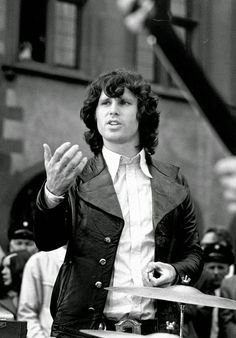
[182,306]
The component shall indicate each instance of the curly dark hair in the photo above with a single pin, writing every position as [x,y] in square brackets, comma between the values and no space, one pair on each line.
[113,84]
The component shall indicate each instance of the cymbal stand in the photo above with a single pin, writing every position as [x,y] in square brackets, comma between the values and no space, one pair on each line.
[185,281]
[182,306]
[170,326]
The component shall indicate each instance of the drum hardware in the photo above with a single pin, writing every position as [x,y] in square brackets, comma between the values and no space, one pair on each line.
[185,280]
[181,326]
[170,326]
[102,326]
[129,326]
[182,294]
[116,334]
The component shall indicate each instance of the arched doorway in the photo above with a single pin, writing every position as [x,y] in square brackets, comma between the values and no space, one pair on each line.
[22,210]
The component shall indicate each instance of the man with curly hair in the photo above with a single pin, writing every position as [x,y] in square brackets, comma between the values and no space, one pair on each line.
[128,219]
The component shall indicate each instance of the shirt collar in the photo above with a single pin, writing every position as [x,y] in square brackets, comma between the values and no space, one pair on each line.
[143,164]
[113,161]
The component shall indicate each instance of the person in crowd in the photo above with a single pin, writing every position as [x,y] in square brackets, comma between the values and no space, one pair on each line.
[21,237]
[225,169]
[202,321]
[12,267]
[39,276]
[129,219]
[227,317]
[216,234]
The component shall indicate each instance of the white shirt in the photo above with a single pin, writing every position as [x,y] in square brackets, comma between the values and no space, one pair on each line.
[39,276]
[132,183]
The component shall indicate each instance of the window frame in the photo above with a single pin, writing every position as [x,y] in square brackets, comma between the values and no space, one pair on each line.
[48,68]
[161,76]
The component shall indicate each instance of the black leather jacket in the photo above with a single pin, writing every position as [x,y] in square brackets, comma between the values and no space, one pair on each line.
[91,220]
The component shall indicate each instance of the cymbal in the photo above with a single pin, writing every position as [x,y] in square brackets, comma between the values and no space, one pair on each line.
[178,293]
[116,334]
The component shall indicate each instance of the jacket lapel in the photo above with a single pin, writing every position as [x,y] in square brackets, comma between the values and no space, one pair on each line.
[166,194]
[97,187]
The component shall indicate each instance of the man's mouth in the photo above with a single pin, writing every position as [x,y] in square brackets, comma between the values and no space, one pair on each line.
[113,122]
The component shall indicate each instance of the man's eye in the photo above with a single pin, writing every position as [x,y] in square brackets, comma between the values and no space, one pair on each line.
[124,102]
[105,102]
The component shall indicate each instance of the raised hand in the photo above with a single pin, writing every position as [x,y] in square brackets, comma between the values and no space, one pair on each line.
[62,167]
[226,171]
[135,12]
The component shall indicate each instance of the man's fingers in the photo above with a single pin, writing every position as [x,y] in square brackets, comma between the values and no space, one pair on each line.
[229,182]
[47,154]
[152,266]
[160,281]
[72,161]
[125,6]
[71,157]
[231,207]
[226,170]
[81,166]
[160,274]
[76,164]
[226,166]
[60,151]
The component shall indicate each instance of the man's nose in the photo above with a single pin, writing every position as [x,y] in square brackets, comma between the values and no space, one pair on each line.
[216,271]
[114,110]
[23,246]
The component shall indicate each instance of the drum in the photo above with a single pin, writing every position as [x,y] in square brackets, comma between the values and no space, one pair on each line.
[116,334]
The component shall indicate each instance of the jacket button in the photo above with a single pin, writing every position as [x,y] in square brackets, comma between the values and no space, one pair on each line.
[98,285]
[91,309]
[102,261]
[107,239]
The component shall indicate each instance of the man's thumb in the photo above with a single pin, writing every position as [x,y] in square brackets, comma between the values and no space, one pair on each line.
[47,153]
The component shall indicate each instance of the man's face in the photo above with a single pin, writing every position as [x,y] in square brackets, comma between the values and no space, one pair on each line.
[217,271]
[6,271]
[22,244]
[117,120]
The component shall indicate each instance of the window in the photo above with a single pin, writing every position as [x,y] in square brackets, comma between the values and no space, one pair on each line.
[181,11]
[32,36]
[147,62]
[50,32]
[66,35]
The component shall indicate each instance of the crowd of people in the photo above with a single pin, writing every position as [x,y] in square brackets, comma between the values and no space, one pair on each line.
[26,281]
[219,260]
[26,296]
[120,218]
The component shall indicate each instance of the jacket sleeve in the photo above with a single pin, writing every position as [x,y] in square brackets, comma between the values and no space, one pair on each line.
[51,225]
[191,262]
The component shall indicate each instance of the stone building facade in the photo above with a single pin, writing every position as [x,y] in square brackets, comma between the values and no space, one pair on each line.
[43,79]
